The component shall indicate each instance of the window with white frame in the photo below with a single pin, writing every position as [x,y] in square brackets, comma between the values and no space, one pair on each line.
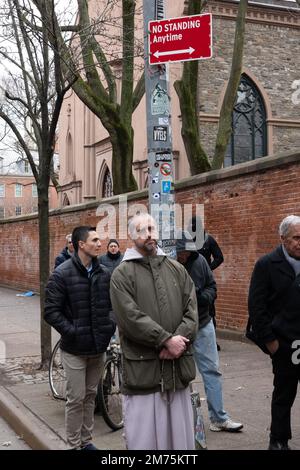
[18,190]
[34,190]
[2,212]
[18,210]
[2,190]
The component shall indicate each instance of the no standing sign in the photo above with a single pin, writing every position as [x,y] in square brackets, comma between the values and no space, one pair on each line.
[180,39]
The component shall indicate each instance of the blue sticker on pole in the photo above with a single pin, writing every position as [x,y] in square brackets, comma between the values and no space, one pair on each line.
[166,186]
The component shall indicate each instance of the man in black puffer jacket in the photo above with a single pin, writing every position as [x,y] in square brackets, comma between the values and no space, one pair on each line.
[77,305]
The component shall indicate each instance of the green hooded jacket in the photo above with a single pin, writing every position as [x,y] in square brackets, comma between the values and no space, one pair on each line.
[153,299]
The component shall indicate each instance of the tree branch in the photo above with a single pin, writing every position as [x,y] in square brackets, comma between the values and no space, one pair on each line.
[26,42]
[138,92]
[17,64]
[91,72]
[102,61]
[22,143]
[128,58]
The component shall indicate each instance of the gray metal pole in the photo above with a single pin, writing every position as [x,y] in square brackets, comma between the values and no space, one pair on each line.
[159,138]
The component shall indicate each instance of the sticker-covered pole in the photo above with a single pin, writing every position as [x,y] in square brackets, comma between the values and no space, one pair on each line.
[159,137]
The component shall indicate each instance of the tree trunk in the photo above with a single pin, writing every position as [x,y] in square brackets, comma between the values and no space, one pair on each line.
[196,155]
[225,122]
[187,91]
[122,157]
[43,210]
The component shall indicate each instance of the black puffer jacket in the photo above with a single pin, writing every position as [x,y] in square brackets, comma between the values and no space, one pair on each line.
[78,307]
[111,261]
[62,257]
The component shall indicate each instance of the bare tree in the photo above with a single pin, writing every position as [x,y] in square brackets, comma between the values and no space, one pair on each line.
[187,91]
[33,94]
[92,55]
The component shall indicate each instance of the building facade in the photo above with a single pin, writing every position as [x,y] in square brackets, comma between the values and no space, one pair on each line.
[18,195]
[266,117]
[18,189]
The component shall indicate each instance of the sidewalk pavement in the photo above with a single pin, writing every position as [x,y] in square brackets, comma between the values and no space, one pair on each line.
[27,405]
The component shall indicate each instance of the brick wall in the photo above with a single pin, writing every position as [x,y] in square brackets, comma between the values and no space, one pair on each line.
[243,207]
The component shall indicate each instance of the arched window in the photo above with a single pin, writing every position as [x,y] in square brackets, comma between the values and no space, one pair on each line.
[146,184]
[249,131]
[69,159]
[107,187]
[66,201]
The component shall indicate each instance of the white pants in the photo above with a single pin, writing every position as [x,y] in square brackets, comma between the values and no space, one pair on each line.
[159,421]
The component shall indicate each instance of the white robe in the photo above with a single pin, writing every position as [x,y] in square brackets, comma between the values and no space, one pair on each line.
[159,421]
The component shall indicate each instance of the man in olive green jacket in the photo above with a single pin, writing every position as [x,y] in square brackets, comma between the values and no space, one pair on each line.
[156,308]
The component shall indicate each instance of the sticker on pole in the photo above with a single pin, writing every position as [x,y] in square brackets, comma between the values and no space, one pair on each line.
[160,133]
[180,39]
[166,186]
[166,169]
[159,101]
[163,157]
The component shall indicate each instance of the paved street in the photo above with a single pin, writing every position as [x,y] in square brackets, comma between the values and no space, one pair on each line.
[9,439]
[246,372]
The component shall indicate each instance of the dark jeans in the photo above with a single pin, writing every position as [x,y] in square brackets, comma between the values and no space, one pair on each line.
[286,378]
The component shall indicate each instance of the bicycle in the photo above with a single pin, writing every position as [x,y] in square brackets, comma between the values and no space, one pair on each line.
[57,375]
[108,398]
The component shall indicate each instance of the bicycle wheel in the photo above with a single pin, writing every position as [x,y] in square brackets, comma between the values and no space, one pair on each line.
[109,394]
[57,376]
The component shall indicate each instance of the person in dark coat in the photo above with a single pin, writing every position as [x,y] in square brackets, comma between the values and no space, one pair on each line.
[274,313]
[77,305]
[211,252]
[113,257]
[66,253]
[205,346]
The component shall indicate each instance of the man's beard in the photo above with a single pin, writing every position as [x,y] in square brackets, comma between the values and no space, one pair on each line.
[150,247]
[147,248]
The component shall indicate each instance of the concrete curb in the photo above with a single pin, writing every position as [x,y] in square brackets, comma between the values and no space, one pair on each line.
[34,431]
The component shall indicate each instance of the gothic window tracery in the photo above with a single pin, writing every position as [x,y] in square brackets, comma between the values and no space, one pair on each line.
[107,188]
[249,137]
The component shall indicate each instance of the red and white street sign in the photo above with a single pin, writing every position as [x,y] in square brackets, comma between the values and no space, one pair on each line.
[180,39]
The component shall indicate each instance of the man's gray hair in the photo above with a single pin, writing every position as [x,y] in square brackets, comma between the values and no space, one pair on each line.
[133,222]
[68,237]
[286,223]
